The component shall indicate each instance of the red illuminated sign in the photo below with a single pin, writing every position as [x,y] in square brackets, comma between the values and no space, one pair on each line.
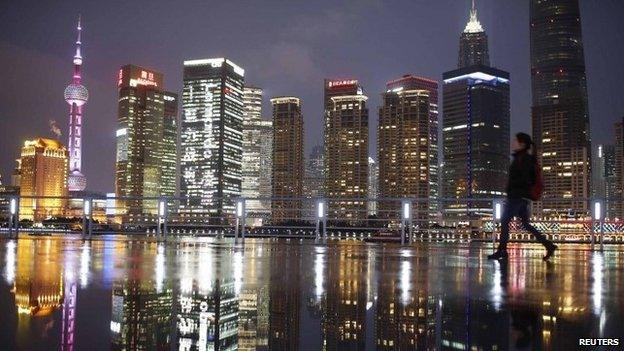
[343,82]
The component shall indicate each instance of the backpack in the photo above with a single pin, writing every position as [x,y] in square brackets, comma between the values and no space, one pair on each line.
[537,189]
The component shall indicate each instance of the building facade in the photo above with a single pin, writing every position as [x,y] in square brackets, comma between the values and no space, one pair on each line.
[373,186]
[560,116]
[257,161]
[346,150]
[612,189]
[403,151]
[314,179]
[147,129]
[211,140]
[288,167]
[76,95]
[43,185]
[411,82]
[475,138]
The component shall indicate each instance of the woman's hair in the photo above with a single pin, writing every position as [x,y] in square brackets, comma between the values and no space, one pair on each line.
[527,141]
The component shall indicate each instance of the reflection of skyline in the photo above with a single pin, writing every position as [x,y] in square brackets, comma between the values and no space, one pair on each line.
[359,297]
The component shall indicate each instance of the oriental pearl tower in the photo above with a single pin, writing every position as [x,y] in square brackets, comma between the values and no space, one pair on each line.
[76,96]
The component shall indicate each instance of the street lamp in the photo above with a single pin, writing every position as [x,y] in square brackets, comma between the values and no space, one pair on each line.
[406,221]
[240,218]
[598,216]
[86,218]
[321,218]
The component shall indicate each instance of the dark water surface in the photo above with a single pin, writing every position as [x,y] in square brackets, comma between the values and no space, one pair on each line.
[202,294]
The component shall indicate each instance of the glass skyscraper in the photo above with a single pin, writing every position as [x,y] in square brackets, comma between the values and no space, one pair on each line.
[559,114]
[211,138]
[257,161]
[146,136]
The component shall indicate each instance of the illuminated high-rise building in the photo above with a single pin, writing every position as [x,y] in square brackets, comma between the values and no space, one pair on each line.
[373,186]
[257,152]
[76,96]
[146,134]
[288,149]
[43,185]
[412,82]
[314,178]
[476,139]
[473,43]
[612,189]
[560,117]
[211,140]
[404,149]
[346,149]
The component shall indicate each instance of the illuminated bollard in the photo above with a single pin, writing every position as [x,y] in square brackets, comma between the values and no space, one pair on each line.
[87,218]
[14,218]
[406,221]
[161,227]
[321,219]
[240,218]
[597,217]
[497,215]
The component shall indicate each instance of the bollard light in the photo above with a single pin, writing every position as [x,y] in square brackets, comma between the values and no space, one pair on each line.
[597,210]
[13,206]
[406,210]
[321,209]
[87,206]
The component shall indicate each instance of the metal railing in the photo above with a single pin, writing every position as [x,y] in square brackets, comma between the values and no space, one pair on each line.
[389,219]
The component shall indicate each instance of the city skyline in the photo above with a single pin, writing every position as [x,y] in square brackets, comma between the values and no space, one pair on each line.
[301,73]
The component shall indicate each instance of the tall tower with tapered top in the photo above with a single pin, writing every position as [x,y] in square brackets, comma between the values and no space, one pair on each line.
[473,43]
[76,96]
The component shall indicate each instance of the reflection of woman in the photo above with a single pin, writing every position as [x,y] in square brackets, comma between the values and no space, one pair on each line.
[522,177]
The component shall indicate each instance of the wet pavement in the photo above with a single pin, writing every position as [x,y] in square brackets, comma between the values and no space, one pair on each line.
[202,294]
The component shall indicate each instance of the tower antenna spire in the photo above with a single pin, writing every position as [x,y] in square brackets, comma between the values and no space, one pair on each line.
[473,25]
[78,56]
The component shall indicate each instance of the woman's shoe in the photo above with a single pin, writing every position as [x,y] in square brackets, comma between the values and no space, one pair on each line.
[498,255]
[550,250]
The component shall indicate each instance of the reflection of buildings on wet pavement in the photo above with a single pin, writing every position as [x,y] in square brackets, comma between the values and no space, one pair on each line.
[254,297]
[140,317]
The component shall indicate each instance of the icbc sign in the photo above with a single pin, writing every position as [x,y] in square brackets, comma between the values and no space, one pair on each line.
[343,82]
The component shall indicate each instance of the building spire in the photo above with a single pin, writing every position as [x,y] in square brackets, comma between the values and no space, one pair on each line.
[78,56]
[473,25]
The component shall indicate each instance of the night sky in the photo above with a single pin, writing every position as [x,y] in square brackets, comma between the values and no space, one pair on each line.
[286,47]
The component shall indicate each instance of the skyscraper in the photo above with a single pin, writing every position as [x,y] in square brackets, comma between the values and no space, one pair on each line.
[476,138]
[346,149]
[257,161]
[211,138]
[612,188]
[373,186]
[288,149]
[475,130]
[146,141]
[314,178]
[404,149]
[76,96]
[420,83]
[598,172]
[559,114]
[43,179]
[473,43]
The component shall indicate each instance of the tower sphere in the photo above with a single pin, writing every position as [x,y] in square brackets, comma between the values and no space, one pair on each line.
[76,94]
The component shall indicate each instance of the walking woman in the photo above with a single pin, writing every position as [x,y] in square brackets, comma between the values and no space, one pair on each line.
[523,177]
